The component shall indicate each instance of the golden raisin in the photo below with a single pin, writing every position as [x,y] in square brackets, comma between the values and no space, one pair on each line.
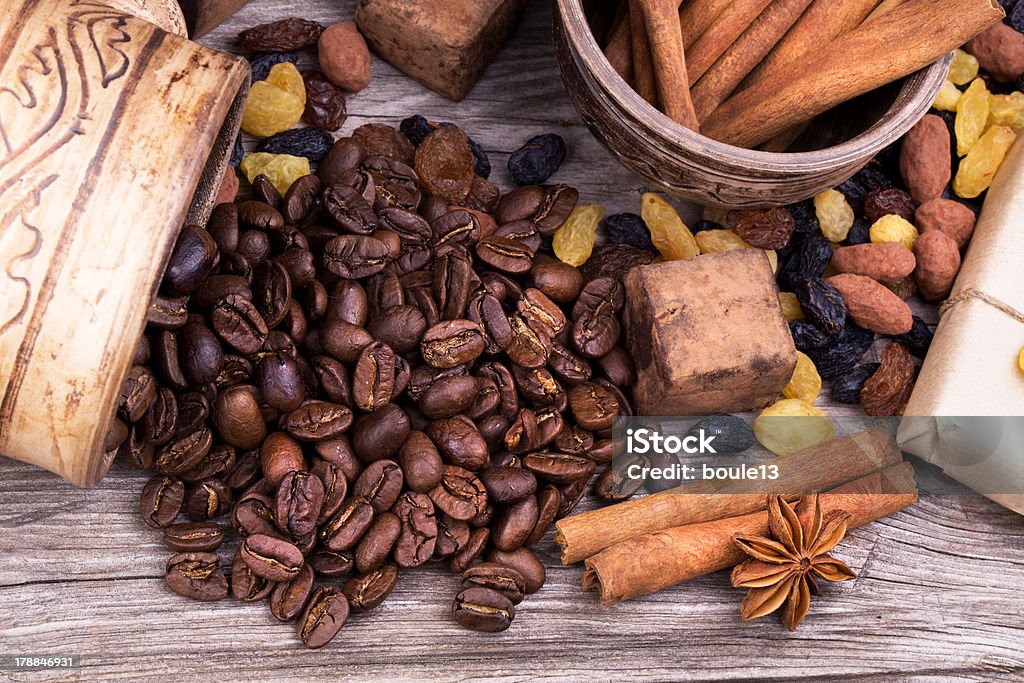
[835,215]
[574,241]
[979,167]
[805,384]
[948,97]
[281,169]
[971,116]
[893,228]
[1006,110]
[964,68]
[790,306]
[791,425]
[670,236]
[712,241]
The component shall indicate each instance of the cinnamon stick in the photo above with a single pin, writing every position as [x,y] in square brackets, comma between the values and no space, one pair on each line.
[723,32]
[815,469]
[643,64]
[619,50]
[745,54]
[661,19]
[823,21]
[696,16]
[908,38]
[652,562]
[885,7]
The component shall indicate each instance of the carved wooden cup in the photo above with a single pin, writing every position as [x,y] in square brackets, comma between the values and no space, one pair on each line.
[113,133]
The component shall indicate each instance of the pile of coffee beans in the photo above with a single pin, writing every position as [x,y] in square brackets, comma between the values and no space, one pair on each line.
[364,378]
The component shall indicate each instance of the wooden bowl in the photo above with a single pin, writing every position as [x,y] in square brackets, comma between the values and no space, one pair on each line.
[690,165]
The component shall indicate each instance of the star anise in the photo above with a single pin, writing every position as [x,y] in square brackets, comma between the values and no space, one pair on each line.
[785,568]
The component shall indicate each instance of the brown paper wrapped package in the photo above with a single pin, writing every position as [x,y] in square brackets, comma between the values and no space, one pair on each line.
[971,368]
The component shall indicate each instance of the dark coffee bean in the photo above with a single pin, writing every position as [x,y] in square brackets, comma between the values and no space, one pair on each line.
[731,434]
[448,396]
[201,354]
[519,204]
[254,514]
[245,473]
[137,393]
[197,576]
[524,232]
[271,292]
[333,378]
[452,276]
[298,503]
[541,312]
[460,495]
[355,256]
[339,452]
[300,199]
[418,536]
[497,577]
[184,452]
[331,564]
[514,523]
[452,534]
[615,485]
[561,282]
[348,208]
[247,586]
[572,494]
[217,287]
[346,154]
[373,380]
[594,406]
[559,468]
[525,562]
[539,386]
[167,313]
[236,370]
[530,347]
[421,463]
[280,382]
[508,484]
[374,548]
[371,589]
[167,362]
[138,450]
[194,256]
[503,379]
[272,558]
[381,433]
[481,609]
[451,343]
[455,227]
[237,321]
[323,617]
[264,191]
[548,501]
[218,462]
[486,310]
[522,433]
[117,434]
[161,501]
[574,440]
[459,442]
[335,488]
[287,600]
[279,455]
[558,203]
[344,341]
[342,531]
[380,484]
[487,400]
[317,421]
[208,499]
[237,417]
[472,549]
[259,214]
[484,518]
[400,328]
[223,226]
[505,255]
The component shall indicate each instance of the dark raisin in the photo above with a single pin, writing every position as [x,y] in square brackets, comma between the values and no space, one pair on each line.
[325,102]
[845,351]
[311,143]
[805,217]
[860,233]
[416,128]
[1009,6]
[856,189]
[846,388]
[918,339]
[628,228]
[237,152]
[822,304]
[891,200]
[808,260]
[701,226]
[807,335]
[262,62]
[763,228]
[481,162]
[283,35]
[614,260]
[537,160]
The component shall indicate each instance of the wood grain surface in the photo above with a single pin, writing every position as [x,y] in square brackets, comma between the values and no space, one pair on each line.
[938,597]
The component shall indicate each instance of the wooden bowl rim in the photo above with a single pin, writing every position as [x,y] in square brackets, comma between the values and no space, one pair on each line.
[880,135]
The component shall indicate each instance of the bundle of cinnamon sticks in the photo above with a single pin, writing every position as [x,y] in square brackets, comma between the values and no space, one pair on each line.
[644,545]
[747,71]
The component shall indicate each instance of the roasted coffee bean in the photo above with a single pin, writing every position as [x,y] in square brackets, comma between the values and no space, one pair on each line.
[448,396]
[519,204]
[138,450]
[383,292]
[194,537]
[236,370]
[484,518]
[279,455]
[333,378]
[373,380]
[400,328]
[451,343]
[223,226]
[272,558]
[459,442]
[339,452]
[137,393]
[167,313]
[559,468]
[298,503]
[117,434]
[335,488]
[331,564]
[731,434]
[548,501]
[380,484]
[287,600]
[301,198]
[524,232]
[344,341]
[522,433]
[525,562]
[481,609]
[280,382]
[381,433]
[549,425]
[421,463]
[323,617]
[355,257]
[300,265]
[557,204]
[346,154]
[197,576]
[237,417]
[184,452]
[505,255]
[561,282]
[486,310]
[497,577]
[317,421]
[594,406]
[508,484]
[572,494]
[161,501]
[451,283]
[271,292]
[194,256]
[473,548]
[615,485]
[574,440]
[540,386]
[218,287]
[617,366]
[246,471]
[541,312]
[530,347]
[348,303]
[167,362]
[370,589]
[208,499]
[201,354]
[374,548]
[487,400]
[455,227]
[460,494]
[503,379]
[217,463]
[418,536]
[342,531]
[514,523]
[504,288]
[452,534]
[247,586]
[254,514]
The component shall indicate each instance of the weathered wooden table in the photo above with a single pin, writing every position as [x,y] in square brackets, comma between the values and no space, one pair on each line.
[938,595]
